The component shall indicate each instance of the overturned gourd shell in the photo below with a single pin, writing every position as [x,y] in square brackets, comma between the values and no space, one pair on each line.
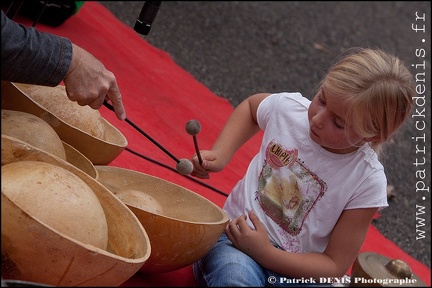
[58,198]
[181,224]
[38,133]
[80,126]
[34,251]
[33,130]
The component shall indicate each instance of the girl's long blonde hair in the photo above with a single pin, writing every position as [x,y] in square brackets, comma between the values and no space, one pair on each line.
[377,87]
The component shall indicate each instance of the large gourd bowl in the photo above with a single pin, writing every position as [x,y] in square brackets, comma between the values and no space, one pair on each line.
[181,224]
[34,251]
[80,126]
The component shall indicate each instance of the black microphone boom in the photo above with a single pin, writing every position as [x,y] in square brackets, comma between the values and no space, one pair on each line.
[147,16]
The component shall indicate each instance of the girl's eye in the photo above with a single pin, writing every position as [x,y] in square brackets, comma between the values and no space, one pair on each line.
[335,122]
[320,100]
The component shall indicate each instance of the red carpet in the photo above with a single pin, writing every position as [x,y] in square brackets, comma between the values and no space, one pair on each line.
[160,97]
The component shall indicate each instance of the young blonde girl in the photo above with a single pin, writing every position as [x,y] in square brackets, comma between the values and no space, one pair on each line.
[304,206]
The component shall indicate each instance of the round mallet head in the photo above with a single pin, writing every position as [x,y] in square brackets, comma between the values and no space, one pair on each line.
[193,127]
[184,166]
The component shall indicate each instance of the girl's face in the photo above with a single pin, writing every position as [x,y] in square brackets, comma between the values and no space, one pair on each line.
[327,125]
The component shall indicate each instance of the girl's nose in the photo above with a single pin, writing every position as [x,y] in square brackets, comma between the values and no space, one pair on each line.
[318,118]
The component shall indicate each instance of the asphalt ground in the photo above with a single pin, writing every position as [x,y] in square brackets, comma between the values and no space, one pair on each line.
[238,48]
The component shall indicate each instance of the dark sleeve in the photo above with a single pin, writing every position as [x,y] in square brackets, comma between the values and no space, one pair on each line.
[33,57]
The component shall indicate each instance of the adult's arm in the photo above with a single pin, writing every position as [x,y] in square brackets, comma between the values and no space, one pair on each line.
[33,57]
[39,58]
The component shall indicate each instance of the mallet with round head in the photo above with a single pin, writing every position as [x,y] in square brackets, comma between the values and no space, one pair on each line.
[193,127]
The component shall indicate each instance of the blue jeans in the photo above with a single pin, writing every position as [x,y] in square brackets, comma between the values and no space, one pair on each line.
[226,266]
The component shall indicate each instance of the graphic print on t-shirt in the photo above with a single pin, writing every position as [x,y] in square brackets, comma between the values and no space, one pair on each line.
[287,190]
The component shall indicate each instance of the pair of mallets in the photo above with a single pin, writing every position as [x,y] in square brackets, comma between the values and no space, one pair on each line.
[184,166]
[193,127]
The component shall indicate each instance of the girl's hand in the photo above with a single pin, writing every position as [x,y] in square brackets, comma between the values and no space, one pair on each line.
[212,162]
[254,242]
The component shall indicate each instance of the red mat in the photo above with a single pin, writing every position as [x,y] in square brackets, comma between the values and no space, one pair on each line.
[160,97]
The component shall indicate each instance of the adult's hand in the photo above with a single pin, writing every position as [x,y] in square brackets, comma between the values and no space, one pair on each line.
[88,82]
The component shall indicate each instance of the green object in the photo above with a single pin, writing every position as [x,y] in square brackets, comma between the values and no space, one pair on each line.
[78,5]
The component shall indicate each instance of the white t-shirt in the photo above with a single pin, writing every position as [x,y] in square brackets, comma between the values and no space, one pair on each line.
[297,188]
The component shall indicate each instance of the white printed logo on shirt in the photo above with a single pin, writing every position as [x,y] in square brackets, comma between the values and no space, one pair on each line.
[287,190]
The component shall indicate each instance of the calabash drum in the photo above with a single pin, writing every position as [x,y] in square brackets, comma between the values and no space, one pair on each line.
[181,224]
[76,125]
[34,251]
[375,270]
[38,133]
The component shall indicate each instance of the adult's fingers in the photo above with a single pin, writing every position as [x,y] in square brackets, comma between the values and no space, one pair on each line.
[94,103]
[117,102]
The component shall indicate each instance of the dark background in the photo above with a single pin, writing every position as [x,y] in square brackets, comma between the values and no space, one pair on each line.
[240,48]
